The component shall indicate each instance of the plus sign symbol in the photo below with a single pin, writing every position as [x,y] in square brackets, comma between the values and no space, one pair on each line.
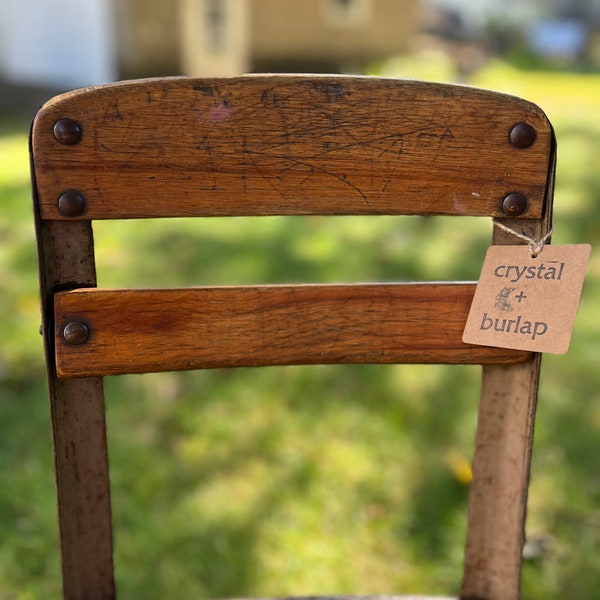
[520,296]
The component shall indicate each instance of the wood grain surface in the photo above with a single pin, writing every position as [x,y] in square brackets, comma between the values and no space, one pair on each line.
[134,331]
[66,259]
[289,145]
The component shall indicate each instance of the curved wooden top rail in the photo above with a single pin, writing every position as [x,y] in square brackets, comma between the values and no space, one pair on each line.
[287,145]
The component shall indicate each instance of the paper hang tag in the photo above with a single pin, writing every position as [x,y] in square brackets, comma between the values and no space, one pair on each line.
[527,303]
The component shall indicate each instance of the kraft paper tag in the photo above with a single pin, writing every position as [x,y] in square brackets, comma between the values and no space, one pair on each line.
[528,303]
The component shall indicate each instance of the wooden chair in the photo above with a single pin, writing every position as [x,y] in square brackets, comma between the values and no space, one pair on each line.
[280,145]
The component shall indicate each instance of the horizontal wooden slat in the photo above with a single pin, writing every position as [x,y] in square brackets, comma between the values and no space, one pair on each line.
[135,331]
[289,145]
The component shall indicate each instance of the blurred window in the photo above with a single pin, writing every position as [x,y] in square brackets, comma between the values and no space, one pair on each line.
[346,13]
[216,23]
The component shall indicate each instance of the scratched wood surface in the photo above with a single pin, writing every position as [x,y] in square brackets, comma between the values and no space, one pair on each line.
[153,330]
[289,145]
[66,258]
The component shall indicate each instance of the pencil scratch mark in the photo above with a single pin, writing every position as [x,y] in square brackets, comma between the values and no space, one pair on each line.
[296,162]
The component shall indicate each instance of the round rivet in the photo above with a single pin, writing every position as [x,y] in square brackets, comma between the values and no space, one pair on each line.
[67,131]
[71,204]
[514,204]
[522,135]
[76,333]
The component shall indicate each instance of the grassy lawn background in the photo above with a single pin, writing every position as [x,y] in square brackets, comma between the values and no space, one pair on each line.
[287,481]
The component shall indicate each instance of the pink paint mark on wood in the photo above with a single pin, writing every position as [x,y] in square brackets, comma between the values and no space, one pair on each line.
[219,113]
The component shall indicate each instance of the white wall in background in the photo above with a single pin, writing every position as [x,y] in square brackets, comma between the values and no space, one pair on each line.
[62,43]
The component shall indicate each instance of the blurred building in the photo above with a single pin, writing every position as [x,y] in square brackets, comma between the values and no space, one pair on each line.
[80,42]
[226,37]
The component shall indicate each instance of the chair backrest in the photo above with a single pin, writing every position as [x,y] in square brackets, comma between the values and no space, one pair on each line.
[279,145]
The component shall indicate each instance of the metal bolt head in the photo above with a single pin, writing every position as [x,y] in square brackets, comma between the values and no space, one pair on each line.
[76,333]
[71,204]
[514,204]
[67,131]
[522,135]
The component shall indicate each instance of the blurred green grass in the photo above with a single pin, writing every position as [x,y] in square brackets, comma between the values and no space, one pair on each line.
[287,481]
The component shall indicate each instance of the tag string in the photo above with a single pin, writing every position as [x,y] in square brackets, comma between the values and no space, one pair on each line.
[535,246]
